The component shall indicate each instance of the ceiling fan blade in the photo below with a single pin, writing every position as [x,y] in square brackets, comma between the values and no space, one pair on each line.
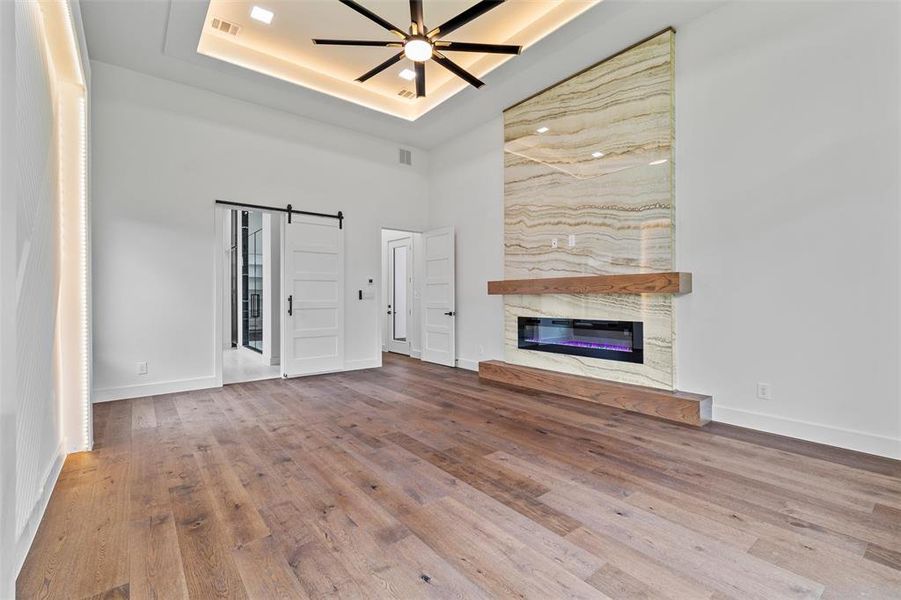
[470,47]
[416,16]
[420,79]
[473,12]
[381,67]
[456,70]
[357,43]
[374,17]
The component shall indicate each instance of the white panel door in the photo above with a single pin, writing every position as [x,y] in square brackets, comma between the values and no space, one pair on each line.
[312,296]
[438,331]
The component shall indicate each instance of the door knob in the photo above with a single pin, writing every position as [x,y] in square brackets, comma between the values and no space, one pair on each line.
[450,314]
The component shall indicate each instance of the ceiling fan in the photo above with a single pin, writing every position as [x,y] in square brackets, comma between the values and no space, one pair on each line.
[421,44]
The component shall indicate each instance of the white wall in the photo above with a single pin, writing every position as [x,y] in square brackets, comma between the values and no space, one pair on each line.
[466,190]
[163,153]
[787,204]
[41,349]
[39,445]
[787,212]
[8,402]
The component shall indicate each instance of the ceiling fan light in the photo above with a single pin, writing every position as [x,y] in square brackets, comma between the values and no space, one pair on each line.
[418,50]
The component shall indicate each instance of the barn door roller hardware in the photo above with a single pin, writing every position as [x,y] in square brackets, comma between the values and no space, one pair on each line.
[288,209]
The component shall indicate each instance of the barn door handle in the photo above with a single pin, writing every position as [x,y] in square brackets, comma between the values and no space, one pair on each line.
[291,305]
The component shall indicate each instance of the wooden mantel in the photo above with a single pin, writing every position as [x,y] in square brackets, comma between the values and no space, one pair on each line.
[639,283]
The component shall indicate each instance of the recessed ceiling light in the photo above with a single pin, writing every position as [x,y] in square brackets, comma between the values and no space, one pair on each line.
[657,162]
[407,74]
[542,129]
[597,154]
[262,15]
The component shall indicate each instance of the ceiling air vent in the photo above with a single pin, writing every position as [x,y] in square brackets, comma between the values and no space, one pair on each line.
[225,26]
[406,94]
[406,157]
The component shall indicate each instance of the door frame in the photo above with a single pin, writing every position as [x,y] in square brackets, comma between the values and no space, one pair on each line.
[415,352]
[221,274]
[391,344]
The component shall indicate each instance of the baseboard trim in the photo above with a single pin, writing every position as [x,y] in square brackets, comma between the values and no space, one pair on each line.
[154,389]
[201,383]
[415,353]
[811,432]
[26,537]
[469,365]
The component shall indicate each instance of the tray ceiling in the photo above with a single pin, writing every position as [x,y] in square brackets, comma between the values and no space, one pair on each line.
[283,48]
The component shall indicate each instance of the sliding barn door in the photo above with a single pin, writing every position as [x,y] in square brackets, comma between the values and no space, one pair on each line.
[312,296]
[438,331]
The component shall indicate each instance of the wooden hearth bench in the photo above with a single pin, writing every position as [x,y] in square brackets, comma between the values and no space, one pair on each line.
[681,407]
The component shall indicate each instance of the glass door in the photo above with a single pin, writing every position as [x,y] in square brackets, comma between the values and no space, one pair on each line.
[233,274]
[400,280]
[252,279]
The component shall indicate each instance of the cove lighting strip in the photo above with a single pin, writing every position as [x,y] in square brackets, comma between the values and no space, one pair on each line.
[81,218]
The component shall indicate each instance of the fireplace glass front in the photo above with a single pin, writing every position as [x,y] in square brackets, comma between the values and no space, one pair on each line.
[610,340]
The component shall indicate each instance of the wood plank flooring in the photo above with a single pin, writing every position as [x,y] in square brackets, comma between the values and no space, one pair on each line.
[418,481]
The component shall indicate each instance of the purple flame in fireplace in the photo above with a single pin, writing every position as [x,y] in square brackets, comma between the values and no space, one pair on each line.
[582,344]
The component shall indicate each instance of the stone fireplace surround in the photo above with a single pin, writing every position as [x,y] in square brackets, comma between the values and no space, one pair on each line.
[588,191]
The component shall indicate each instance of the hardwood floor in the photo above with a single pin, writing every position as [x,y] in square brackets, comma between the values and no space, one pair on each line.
[416,481]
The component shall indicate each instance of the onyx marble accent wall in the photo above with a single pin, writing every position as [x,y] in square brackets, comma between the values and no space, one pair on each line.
[590,160]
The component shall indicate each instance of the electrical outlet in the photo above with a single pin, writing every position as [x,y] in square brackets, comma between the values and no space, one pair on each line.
[555,243]
[572,240]
[764,392]
[481,351]
[142,368]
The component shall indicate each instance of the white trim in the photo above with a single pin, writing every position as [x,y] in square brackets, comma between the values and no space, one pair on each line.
[812,432]
[469,365]
[155,389]
[415,353]
[218,311]
[26,537]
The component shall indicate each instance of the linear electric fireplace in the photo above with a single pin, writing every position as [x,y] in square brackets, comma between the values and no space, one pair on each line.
[612,340]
